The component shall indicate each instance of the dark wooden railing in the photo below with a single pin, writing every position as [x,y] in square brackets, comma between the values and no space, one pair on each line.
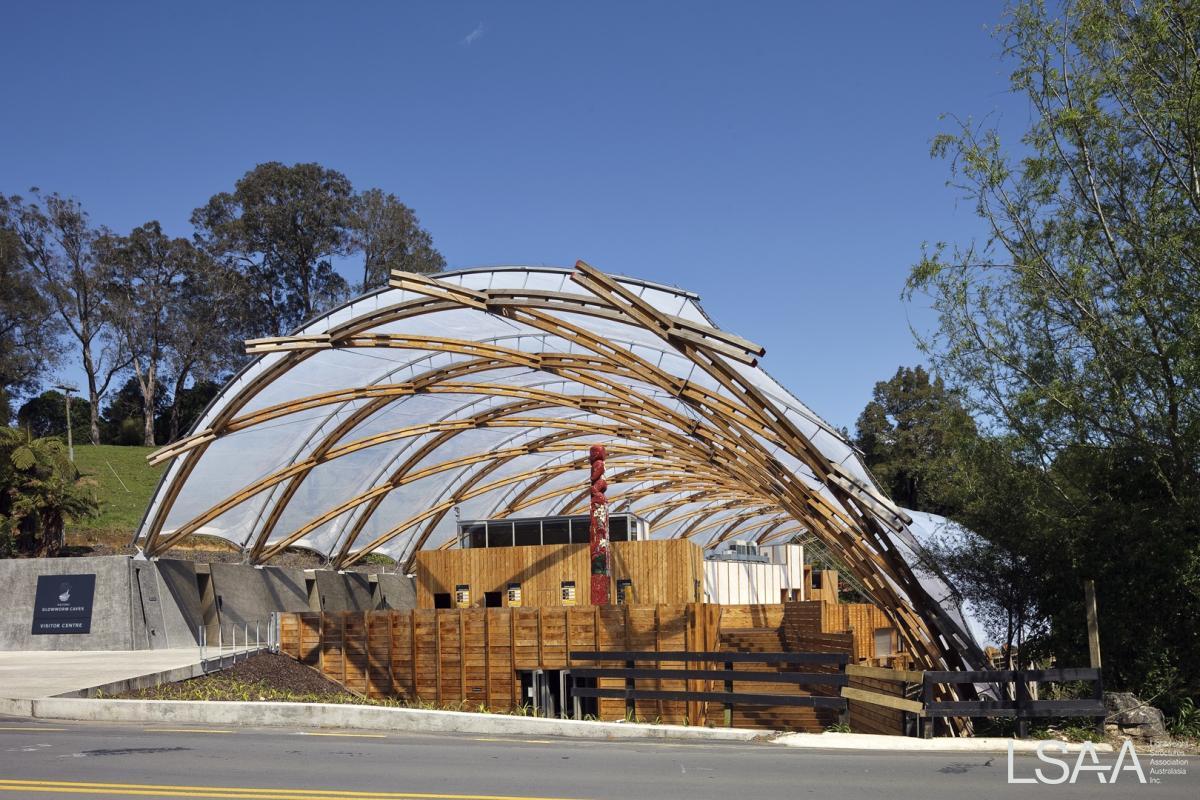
[1019,704]
[631,674]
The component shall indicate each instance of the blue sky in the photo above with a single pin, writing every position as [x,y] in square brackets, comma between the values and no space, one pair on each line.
[772,157]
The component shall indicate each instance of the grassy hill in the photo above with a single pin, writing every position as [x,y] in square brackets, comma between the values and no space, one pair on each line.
[124,485]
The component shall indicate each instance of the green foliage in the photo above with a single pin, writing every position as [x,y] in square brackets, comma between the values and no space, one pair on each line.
[390,236]
[1074,329]
[40,490]
[283,227]
[28,330]
[838,727]
[908,433]
[46,415]
[1186,722]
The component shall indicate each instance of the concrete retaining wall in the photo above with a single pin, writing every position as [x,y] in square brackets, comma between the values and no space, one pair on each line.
[242,594]
[137,604]
[395,591]
[112,617]
[179,578]
[343,591]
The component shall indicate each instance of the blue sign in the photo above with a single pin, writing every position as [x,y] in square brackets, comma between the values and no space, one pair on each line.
[63,604]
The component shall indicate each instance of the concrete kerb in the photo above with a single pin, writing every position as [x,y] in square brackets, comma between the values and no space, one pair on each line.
[867,741]
[331,715]
[325,715]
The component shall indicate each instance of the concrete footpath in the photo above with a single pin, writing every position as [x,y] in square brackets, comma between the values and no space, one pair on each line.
[28,675]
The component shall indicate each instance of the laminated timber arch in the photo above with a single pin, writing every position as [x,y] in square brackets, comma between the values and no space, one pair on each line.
[480,391]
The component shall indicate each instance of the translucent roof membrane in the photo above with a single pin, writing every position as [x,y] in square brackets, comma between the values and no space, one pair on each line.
[477,394]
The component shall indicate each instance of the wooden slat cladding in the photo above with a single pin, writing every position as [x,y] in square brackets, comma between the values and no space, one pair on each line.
[865,717]
[668,572]
[473,657]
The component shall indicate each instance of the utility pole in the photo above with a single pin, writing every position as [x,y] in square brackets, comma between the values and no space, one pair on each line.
[66,390]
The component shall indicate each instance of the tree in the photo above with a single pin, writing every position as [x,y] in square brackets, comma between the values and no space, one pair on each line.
[56,244]
[187,404]
[212,319]
[46,415]
[390,236]
[124,414]
[1072,327]
[282,226]
[142,274]
[40,490]
[997,582]
[29,331]
[908,433]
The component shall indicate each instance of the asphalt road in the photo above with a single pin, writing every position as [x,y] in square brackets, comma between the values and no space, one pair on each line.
[75,759]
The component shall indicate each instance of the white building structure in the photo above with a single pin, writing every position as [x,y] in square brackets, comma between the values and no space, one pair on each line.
[748,573]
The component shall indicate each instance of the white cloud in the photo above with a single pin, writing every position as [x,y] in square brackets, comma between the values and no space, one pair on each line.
[473,36]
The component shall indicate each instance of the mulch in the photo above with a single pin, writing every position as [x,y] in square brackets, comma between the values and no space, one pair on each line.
[281,672]
[268,670]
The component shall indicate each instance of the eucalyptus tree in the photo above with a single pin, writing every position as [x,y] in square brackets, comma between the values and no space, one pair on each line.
[282,227]
[56,243]
[29,329]
[389,236]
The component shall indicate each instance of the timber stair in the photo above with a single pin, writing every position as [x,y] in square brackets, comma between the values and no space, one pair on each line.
[795,718]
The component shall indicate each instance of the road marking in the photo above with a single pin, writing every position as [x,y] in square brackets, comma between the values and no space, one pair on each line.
[357,735]
[226,792]
[518,741]
[28,728]
[185,730]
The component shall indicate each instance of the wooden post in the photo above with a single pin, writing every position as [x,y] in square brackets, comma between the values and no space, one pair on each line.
[1093,622]
[630,702]
[925,723]
[1023,703]
[729,703]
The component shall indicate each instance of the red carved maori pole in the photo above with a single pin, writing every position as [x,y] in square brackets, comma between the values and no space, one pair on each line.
[599,527]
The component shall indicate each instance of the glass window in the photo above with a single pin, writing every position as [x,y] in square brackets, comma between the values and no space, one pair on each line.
[618,528]
[500,534]
[624,592]
[579,530]
[475,535]
[556,531]
[527,533]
